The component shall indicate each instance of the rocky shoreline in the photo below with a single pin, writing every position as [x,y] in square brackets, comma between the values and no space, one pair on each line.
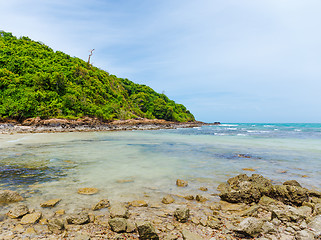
[250,207]
[37,125]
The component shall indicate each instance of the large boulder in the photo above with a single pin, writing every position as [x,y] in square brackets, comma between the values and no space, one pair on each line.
[245,189]
[7,196]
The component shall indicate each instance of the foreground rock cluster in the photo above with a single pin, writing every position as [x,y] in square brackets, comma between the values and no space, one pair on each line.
[250,208]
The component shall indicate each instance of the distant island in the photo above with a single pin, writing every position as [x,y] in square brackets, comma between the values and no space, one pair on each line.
[37,82]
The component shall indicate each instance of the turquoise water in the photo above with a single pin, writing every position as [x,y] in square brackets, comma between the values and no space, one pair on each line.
[133,164]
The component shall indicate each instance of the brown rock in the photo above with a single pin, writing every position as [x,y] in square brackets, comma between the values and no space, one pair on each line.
[189,197]
[204,189]
[200,198]
[104,203]
[248,169]
[292,183]
[138,203]
[146,231]
[18,211]
[7,196]
[78,219]
[88,191]
[181,214]
[168,199]
[56,225]
[181,183]
[31,218]
[50,203]
[118,224]
[60,212]
[118,210]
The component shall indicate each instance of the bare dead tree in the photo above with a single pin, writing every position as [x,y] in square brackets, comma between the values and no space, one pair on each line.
[91,53]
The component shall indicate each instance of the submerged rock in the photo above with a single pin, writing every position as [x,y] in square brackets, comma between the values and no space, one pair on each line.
[18,211]
[168,199]
[87,191]
[138,203]
[50,203]
[31,218]
[7,196]
[104,203]
[181,183]
[146,231]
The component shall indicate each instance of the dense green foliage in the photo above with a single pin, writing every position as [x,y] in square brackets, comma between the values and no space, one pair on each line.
[36,81]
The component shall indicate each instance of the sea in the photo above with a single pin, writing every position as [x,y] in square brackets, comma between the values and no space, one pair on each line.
[130,165]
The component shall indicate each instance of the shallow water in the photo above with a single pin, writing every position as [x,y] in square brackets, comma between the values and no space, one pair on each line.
[129,165]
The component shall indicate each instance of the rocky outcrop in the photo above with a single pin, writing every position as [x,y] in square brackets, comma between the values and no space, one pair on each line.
[250,189]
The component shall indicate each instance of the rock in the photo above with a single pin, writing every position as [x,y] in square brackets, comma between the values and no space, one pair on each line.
[181,183]
[18,211]
[250,226]
[245,189]
[268,227]
[188,235]
[81,236]
[60,212]
[138,203]
[31,218]
[19,228]
[248,169]
[30,231]
[315,225]
[146,231]
[118,224]
[317,208]
[290,195]
[87,191]
[168,199]
[56,225]
[118,210]
[292,183]
[181,214]
[78,219]
[104,203]
[214,223]
[204,189]
[304,235]
[50,203]
[291,214]
[7,196]
[267,201]
[314,193]
[189,197]
[131,227]
[200,198]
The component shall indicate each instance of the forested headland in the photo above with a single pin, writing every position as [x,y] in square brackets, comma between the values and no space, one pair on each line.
[36,81]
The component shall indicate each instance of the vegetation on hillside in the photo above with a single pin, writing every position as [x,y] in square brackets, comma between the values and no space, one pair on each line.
[37,81]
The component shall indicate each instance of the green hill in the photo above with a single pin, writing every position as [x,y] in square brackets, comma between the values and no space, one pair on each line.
[37,81]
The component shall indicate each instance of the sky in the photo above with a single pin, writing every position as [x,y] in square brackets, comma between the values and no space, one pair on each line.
[228,61]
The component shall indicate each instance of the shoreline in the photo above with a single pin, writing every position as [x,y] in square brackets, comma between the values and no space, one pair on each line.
[36,125]
[249,207]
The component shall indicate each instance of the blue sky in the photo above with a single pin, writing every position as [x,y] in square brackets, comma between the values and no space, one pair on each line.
[228,61]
